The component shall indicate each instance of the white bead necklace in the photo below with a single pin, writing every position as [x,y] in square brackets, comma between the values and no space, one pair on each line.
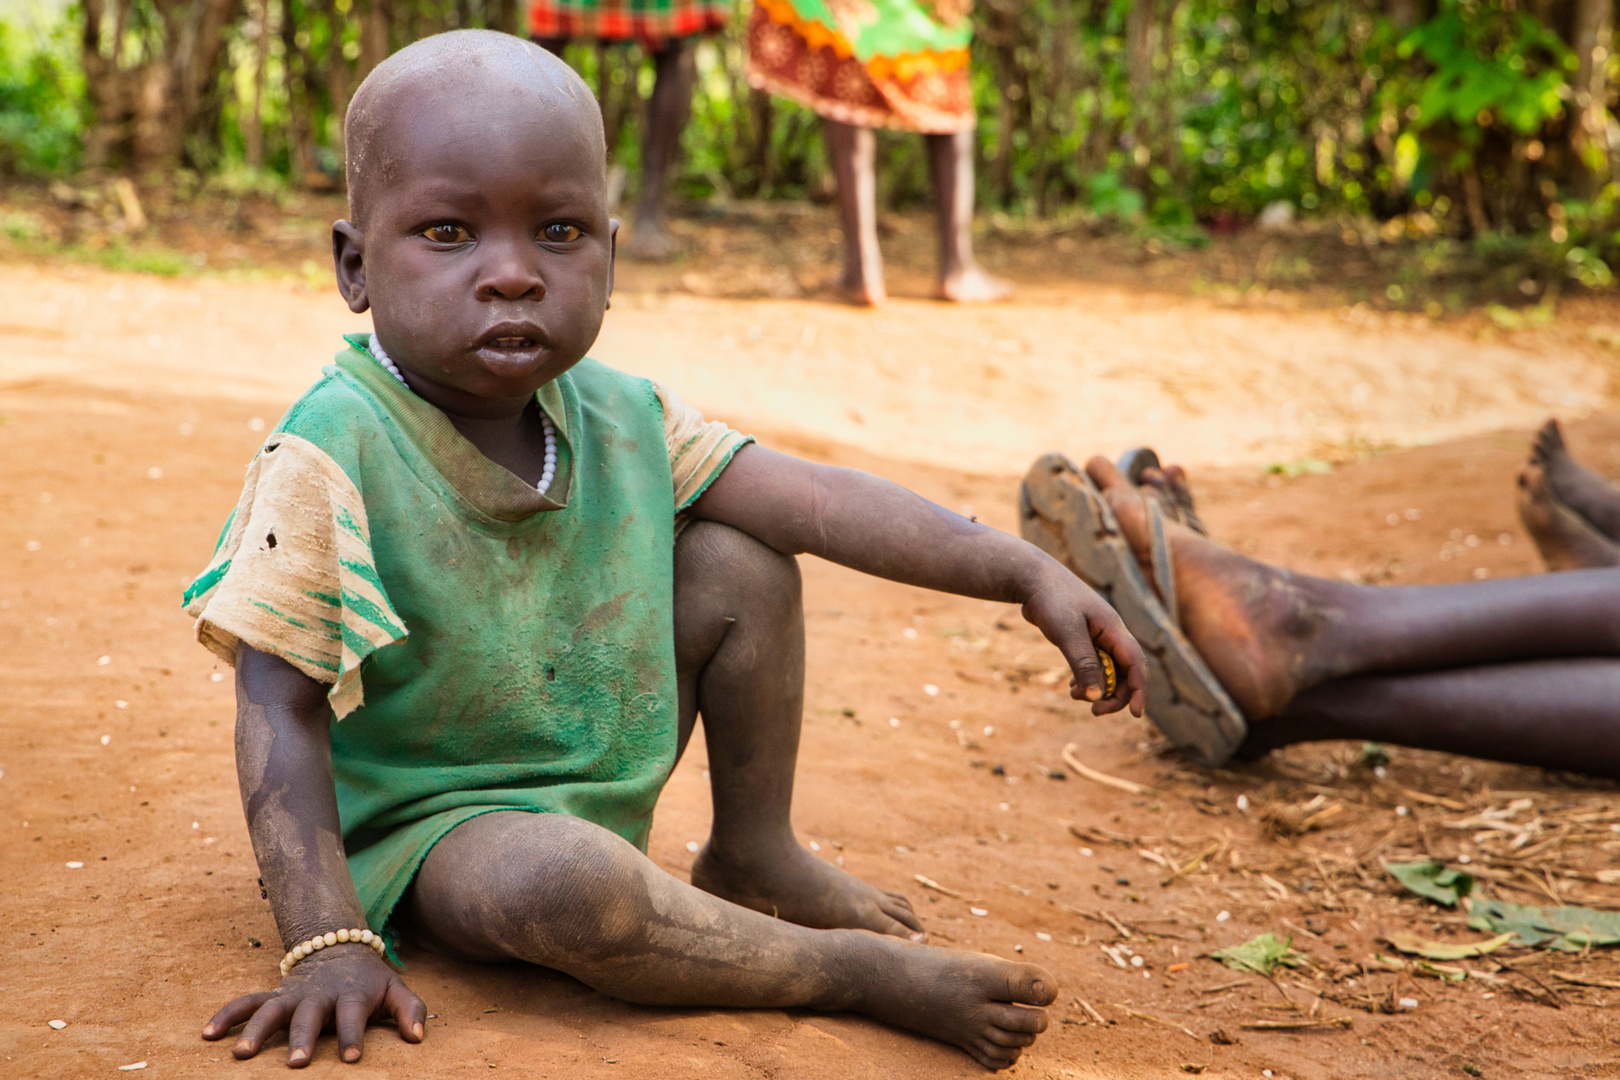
[547,473]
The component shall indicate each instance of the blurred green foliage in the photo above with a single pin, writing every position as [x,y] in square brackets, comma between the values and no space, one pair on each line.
[1480,120]
[41,96]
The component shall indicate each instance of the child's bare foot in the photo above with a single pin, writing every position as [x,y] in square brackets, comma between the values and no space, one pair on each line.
[863,292]
[650,241]
[979,1002]
[1567,540]
[973,286]
[796,886]
[1257,627]
[1573,484]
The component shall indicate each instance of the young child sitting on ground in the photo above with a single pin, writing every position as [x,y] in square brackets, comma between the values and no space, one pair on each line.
[514,577]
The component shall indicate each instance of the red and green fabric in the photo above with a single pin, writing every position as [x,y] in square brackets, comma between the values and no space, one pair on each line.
[650,22]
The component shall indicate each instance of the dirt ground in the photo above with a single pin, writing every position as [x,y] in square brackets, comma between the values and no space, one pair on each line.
[934,729]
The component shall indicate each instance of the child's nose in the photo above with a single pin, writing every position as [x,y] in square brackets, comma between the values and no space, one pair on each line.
[512,273]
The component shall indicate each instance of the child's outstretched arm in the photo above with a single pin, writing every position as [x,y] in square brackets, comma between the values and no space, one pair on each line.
[879,528]
[284,766]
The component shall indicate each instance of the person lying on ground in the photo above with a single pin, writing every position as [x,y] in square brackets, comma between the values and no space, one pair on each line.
[1523,670]
[514,577]
[1572,513]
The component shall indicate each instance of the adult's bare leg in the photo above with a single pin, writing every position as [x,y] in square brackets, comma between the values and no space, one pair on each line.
[1565,537]
[1558,714]
[668,110]
[961,278]
[853,151]
[739,650]
[569,895]
[1270,635]
[1576,486]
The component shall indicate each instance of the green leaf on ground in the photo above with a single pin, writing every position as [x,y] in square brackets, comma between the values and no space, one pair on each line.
[1439,950]
[1433,880]
[1260,955]
[1566,928]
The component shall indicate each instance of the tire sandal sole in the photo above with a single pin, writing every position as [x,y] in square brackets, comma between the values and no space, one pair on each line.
[1062,513]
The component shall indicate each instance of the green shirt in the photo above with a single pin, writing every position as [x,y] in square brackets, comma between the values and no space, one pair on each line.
[488,648]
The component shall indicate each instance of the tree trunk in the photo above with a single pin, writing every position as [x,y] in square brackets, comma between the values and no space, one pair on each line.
[253,132]
[1592,39]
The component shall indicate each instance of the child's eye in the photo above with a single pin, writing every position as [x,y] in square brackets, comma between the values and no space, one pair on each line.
[558,233]
[447,234]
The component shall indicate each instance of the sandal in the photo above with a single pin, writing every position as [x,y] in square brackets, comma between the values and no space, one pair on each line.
[1178,504]
[1064,514]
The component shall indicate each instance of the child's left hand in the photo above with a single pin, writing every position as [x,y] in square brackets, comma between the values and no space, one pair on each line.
[1079,622]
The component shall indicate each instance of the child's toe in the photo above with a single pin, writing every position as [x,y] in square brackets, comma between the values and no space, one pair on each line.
[1030,985]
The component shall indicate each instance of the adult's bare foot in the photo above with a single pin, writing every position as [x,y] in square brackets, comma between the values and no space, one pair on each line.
[988,1006]
[1573,484]
[793,884]
[1262,631]
[1567,540]
[1169,484]
[973,286]
[862,291]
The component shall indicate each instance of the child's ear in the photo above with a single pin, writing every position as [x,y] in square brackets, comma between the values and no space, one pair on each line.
[613,250]
[348,259]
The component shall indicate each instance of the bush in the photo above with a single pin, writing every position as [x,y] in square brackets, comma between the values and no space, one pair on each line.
[42,96]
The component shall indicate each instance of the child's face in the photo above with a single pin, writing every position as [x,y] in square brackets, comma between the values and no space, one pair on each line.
[486,256]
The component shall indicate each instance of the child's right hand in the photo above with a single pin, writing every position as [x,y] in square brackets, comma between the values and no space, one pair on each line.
[341,986]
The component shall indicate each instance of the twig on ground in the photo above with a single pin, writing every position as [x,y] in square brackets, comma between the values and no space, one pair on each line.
[1297,1025]
[1552,995]
[1130,787]
[1583,980]
[1156,1020]
[1225,987]
[929,883]
[1095,1015]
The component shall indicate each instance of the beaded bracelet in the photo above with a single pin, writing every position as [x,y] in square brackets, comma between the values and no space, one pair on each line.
[331,937]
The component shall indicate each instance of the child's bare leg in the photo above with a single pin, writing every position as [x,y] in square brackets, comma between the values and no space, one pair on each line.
[961,278]
[1578,487]
[668,110]
[1558,714]
[1269,634]
[571,896]
[739,647]
[853,151]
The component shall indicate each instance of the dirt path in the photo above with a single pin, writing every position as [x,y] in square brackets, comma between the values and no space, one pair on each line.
[128,407]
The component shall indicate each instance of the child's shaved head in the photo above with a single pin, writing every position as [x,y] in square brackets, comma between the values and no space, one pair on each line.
[452,74]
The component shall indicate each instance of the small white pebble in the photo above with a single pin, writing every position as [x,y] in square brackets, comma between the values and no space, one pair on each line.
[894,721]
[692,846]
[1042,935]
[956,725]
[1393,519]
[1408,1003]
[57,1025]
[1223,916]
[1137,961]
[103,661]
[1380,772]
[814,846]
[154,473]
[988,730]
[901,849]
[1087,852]
[75,866]
[106,740]
[931,690]
[1003,806]
[909,633]
[1401,811]
[1487,996]
[32,545]
[1481,573]
[1265,1072]
[256,424]
[1465,859]
[132,787]
[1505,539]
[132,1067]
[978,911]
[218,676]
[1414,515]
[838,861]
[1243,803]
[1018,948]
[196,824]
[121,704]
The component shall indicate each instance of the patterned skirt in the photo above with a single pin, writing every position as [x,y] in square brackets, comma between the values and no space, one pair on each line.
[872,63]
[650,22]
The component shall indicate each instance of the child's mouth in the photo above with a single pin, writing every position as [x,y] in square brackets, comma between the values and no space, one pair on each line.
[511,344]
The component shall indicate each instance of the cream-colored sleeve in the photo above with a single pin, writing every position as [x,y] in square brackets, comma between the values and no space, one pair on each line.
[293,574]
[699,449]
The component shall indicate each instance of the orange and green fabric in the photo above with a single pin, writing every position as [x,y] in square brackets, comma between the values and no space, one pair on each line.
[487,647]
[872,63]
[650,22]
